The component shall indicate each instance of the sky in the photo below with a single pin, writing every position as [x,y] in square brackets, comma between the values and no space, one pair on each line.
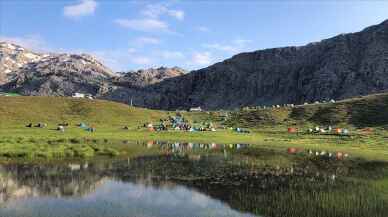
[129,35]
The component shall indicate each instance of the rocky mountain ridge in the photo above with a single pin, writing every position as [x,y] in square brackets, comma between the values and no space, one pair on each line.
[13,57]
[30,73]
[344,66]
[340,67]
[145,77]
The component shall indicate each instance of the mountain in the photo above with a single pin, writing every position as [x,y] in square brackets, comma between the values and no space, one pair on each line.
[344,66]
[30,73]
[145,77]
[61,75]
[13,57]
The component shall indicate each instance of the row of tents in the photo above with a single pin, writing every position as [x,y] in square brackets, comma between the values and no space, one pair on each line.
[179,123]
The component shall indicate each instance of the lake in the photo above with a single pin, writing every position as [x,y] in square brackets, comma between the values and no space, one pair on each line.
[197,180]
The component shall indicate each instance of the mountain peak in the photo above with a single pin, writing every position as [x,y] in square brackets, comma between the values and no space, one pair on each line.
[14,57]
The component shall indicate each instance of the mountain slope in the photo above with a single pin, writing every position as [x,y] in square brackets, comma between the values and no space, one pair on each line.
[61,75]
[366,111]
[340,67]
[344,66]
[21,110]
[13,57]
[30,73]
[145,77]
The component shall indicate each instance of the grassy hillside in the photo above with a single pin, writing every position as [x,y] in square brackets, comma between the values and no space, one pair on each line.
[18,141]
[367,111]
[17,111]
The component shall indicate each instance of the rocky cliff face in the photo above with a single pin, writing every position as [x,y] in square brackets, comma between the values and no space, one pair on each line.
[145,77]
[340,67]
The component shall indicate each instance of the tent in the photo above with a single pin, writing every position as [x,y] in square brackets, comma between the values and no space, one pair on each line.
[83,125]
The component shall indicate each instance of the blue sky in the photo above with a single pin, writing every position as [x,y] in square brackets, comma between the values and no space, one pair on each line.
[128,35]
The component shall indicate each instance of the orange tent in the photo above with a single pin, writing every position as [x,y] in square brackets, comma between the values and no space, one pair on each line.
[339,155]
[292,130]
[292,150]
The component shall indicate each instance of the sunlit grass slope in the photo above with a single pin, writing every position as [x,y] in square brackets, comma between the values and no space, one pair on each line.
[367,111]
[19,111]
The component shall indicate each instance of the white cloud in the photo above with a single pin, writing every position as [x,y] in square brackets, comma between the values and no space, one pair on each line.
[241,42]
[235,46]
[145,25]
[33,42]
[201,58]
[147,40]
[157,10]
[178,14]
[202,29]
[154,11]
[171,54]
[84,7]
[132,50]
[141,60]
[217,46]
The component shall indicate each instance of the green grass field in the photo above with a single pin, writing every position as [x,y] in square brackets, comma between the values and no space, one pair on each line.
[268,127]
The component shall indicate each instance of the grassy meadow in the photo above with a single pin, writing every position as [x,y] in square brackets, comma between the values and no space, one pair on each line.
[268,128]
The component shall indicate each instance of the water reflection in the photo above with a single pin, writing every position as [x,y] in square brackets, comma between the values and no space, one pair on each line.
[189,146]
[196,184]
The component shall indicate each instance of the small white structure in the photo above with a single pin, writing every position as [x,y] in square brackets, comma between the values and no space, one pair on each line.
[74,167]
[78,95]
[89,96]
[82,95]
[196,109]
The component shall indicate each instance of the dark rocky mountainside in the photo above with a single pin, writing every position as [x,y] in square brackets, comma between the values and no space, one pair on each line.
[145,77]
[340,67]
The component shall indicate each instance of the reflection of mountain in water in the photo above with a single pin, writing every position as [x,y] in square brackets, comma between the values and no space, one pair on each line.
[22,181]
[291,190]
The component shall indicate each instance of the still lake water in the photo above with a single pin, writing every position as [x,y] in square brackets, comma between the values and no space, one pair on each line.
[196,180]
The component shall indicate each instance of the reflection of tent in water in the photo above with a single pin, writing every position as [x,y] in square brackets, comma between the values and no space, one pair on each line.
[177,147]
[240,130]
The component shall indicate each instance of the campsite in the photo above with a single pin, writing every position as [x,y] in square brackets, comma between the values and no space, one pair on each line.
[186,108]
[28,132]
[323,153]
